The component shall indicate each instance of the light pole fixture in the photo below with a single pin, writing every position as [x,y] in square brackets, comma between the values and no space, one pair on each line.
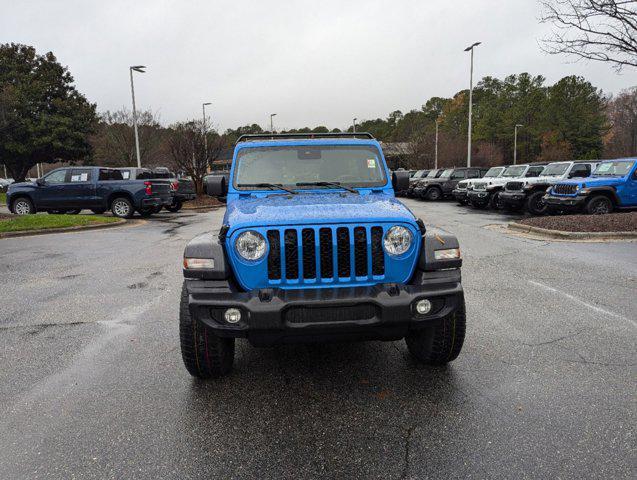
[203,127]
[139,69]
[436,145]
[354,124]
[470,48]
[272,115]
[515,143]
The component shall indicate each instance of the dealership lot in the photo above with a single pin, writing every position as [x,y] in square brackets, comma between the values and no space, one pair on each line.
[92,383]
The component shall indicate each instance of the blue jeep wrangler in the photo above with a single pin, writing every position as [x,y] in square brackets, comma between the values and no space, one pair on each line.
[613,185]
[314,247]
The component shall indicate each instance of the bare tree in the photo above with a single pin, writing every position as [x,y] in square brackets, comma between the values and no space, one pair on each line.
[114,142]
[601,30]
[191,153]
[621,139]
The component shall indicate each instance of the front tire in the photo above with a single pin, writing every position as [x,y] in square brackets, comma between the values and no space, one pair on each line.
[535,205]
[175,206]
[433,194]
[23,206]
[599,205]
[495,202]
[440,344]
[122,207]
[205,355]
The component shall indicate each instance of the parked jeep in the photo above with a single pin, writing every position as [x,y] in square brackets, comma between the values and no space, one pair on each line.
[486,192]
[416,187]
[612,186]
[315,247]
[461,192]
[528,193]
[443,186]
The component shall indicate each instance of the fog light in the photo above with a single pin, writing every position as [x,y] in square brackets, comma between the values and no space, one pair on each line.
[423,307]
[232,315]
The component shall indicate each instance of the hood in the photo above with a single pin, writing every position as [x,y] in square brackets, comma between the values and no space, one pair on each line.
[315,208]
[596,181]
[21,184]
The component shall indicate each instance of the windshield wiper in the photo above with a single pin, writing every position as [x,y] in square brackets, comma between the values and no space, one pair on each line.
[327,184]
[272,186]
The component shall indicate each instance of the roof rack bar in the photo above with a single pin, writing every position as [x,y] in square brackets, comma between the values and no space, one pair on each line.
[282,136]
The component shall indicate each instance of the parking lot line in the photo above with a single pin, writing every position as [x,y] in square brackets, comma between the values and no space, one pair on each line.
[582,302]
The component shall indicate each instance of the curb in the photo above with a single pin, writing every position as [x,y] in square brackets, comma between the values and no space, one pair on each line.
[572,235]
[77,228]
[195,209]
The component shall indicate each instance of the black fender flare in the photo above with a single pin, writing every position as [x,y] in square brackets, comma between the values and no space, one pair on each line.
[606,191]
[207,245]
[437,239]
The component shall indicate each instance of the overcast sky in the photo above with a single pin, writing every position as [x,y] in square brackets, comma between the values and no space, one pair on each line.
[311,62]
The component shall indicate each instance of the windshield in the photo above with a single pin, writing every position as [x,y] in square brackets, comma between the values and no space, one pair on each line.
[432,174]
[514,171]
[418,174]
[613,169]
[555,170]
[494,172]
[353,165]
[446,173]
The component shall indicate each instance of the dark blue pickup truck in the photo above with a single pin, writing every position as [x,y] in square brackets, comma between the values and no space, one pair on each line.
[72,189]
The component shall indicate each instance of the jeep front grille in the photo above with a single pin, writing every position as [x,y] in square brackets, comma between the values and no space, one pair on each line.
[564,189]
[326,253]
[462,186]
[514,186]
[480,186]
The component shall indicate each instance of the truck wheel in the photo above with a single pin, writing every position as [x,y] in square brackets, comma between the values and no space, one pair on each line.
[599,205]
[205,355]
[175,206]
[157,209]
[23,206]
[535,204]
[122,207]
[433,194]
[440,344]
[495,202]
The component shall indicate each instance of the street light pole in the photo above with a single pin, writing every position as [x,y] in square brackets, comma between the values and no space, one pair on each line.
[354,124]
[203,126]
[436,149]
[272,115]
[470,48]
[515,143]
[140,69]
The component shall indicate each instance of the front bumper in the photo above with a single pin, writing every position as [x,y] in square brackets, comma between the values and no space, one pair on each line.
[460,195]
[275,316]
[514,199]
[564,203]
[479,197]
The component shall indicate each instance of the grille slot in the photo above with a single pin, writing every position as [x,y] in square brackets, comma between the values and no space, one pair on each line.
[564,189]
[326,252]
[378,256]
[274,257]
[309,253]
[360,252]
[343,252]
[291,254]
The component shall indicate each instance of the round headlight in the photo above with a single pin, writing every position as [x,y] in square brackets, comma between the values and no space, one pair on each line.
[397,240]
[250,245]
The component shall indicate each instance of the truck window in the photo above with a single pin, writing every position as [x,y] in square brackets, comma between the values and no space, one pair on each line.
[109,174]
[534,171]
[459,174]
[79,175]
[58,176]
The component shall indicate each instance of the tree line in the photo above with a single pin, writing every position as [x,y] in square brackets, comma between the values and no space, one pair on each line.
[44,119]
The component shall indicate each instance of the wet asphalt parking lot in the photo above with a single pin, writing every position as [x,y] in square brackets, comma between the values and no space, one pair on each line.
[92,384]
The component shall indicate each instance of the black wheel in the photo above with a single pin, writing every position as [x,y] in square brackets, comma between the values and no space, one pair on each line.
[433,194]
[122,207]
[535,204]
[440,344]
[205,355]
[23,206]
[495,202]
[157,209]
[98,211]
[73,212]
[175,206]
[599,205]
[462,202]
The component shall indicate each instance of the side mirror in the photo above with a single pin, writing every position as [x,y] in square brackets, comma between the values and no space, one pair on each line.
[216,186]
[40,182]
[400,180]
